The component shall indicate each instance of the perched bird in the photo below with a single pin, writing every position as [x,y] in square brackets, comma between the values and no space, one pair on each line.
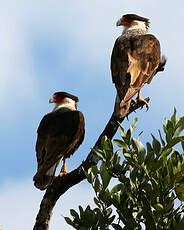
[135,60]
[60,133]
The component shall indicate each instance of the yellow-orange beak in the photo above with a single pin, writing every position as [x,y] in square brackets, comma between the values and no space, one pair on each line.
[119,22]
[51,100]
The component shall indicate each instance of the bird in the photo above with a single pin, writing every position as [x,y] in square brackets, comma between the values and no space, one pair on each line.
[135,59]
[59,135]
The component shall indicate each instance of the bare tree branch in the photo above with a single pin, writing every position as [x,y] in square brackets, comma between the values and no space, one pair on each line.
[61,184]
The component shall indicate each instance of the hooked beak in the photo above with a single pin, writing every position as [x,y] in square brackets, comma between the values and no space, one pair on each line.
[51,100]
[119,23]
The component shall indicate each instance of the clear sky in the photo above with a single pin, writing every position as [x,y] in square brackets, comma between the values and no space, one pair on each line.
[48,46]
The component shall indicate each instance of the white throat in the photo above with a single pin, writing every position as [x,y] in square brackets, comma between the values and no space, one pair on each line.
[67,103]
[136,25]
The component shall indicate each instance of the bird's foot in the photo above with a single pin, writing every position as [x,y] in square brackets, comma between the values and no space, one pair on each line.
[63,170]
[62,173]
[143,102]
[133,102]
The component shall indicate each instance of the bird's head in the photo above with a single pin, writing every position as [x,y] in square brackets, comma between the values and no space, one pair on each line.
[63,99]
[133,20]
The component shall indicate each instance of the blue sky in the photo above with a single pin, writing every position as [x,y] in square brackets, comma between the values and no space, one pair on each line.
[66,46]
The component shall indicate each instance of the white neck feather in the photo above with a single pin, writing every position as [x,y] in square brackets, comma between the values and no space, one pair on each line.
[67,103]
[136,25]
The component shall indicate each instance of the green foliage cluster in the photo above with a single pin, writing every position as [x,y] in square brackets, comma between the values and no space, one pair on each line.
[149,190]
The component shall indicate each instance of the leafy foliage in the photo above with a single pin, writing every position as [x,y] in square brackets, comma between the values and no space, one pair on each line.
[149,190]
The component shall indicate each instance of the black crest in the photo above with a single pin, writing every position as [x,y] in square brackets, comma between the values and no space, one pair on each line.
[138,18]
[64,94]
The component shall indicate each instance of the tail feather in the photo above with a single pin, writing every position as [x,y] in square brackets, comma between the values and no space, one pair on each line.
[42,181]
[162,64]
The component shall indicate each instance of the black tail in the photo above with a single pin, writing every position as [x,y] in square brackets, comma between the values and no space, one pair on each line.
[42,182]
[161,66]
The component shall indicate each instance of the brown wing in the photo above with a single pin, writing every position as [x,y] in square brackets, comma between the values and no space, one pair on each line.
[133,63]
[119,65]
[59,135]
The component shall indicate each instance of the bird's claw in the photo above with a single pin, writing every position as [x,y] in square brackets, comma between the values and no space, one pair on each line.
[63,173]
[143,102]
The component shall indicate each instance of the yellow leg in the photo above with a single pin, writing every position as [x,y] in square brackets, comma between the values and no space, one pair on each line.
[140,99]
[63,169]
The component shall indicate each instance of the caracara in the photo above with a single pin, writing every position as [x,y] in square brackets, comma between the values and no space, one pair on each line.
[59,135]
[134,61]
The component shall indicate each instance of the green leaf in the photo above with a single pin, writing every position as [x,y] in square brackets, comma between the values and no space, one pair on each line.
[133,176]
[158,207]
[116,188]
[94,170]
[81,211]
[121,144]
[182,145]
[169,205]
[70,222]
[173,117]
[149,147]
[105,196]
[97,185]
[149,158]
[128,136]
[111,219]
[103,140]
[117,227]
[179,127]
[165,153]
[169,125]
[130,131]
[106,143]
[140,149]
[107,147]
[156,145]
[116,199]
[104,175]
[108,212]
[127,155]
[97,202]
[89,217]
[116,159]
[180,196]
[169,135]
[162,140]
[148,215]
[122,131]
[175,140]
[180,188]
[99,153]
[74,214]
[134,123]
[89,176]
